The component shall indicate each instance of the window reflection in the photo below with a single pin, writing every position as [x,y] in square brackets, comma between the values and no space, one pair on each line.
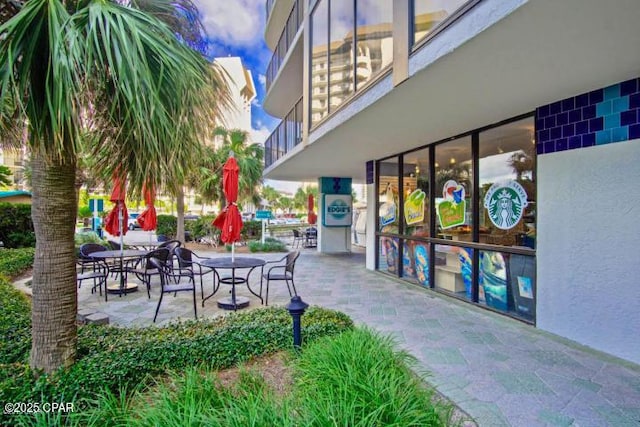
[341,84]
[374,49]
[507,184]
[319,60]
[428,14]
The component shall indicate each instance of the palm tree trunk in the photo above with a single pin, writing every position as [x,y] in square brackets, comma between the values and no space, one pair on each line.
[54,307]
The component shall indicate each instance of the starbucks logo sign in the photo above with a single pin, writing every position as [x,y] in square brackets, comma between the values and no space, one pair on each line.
[505,202]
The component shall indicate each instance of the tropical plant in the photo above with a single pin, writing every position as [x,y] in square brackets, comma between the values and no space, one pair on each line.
[68,66]
[250,161]
[5,174]
[301,198]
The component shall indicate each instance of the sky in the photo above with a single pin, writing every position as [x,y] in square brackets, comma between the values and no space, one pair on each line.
[236,28]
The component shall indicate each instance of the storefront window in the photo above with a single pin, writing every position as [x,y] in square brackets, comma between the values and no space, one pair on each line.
[319,61]
[416,193]
[453,270]
[389,214]
[454,190]
[428,14]
[415,262]
[507,185]
[507,283]
[374,38]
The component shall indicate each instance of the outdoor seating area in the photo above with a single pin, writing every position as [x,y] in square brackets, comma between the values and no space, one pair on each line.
[225,284]
[307,238]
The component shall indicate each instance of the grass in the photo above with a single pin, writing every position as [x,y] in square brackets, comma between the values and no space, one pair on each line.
[354,379]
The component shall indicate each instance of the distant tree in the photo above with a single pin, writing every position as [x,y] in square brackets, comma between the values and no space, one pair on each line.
[5,173]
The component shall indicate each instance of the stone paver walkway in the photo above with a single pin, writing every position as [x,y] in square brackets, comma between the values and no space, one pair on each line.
[500,371]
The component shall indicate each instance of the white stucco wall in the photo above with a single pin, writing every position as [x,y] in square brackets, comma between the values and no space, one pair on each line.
[588,247]
[332,240]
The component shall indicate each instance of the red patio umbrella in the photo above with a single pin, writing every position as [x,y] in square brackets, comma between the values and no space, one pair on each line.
[148,219]
[115,223]
[311,216]
[229,221]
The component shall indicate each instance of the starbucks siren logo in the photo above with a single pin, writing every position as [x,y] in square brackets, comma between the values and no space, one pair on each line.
[505,202]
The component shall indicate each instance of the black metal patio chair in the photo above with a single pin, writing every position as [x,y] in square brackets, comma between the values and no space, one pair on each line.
[282,271]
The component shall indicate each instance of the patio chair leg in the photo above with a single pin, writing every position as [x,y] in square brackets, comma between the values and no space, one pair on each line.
[266,299]
[158,307]
[195,309]
[295,292]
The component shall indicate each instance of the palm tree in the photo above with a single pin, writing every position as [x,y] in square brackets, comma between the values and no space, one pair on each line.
[300,199]
[146,93]
[271,195]
[250,161]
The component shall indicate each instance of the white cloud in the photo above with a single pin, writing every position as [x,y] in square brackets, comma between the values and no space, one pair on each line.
[262,79]
[260,134]
[256,103]
[235,23]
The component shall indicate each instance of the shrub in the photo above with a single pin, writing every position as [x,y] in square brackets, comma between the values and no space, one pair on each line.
[360,379]
[14,262]
[16,227]
[201,227]
[112,358]
[251,230]
[15,324]
[167,226]
[270,245]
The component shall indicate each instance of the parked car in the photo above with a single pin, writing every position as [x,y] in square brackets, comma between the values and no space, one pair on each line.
[133,223]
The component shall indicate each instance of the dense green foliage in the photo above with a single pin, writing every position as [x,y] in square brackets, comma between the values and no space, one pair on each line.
[16,227]
[353,379]
[251,230]
[13,262]
[15,324]
[112,358]
[270,245]
[360,379]
[167,226]
[201,227]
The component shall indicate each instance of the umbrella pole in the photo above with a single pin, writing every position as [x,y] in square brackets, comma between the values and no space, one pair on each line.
[233,250]
[120,221]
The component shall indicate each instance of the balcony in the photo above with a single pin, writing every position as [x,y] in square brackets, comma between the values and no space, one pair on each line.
[294,21]
[286,136]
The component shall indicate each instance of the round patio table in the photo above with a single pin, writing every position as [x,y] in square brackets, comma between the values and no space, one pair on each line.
[129,254]
[226,263]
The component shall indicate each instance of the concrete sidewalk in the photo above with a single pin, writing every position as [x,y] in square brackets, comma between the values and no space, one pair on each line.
[498,370]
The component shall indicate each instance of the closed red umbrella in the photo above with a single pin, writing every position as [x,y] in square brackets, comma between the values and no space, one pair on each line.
[148,219]
[230,221]
[311,216]
[115,223]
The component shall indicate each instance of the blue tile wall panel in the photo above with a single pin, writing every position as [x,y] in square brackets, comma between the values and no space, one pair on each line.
[602,116]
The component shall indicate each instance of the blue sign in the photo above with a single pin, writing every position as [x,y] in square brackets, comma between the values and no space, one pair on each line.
[337,210]
[92,205]
[263,215]
[335,185]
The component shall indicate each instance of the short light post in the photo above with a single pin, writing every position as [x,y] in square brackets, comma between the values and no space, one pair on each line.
[296,309]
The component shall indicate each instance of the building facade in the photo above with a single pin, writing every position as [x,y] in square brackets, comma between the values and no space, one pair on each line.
[499,141]
[242,92]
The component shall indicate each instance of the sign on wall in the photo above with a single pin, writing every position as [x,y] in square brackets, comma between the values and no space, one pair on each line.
[338,210]
[505,202]
[451,211]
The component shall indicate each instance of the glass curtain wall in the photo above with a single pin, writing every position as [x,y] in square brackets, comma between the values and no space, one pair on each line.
[459,217]
[351,43]
[428,15]
[319,62]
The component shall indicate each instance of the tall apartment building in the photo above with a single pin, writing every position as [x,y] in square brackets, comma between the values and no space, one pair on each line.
[499,141]
[242,93]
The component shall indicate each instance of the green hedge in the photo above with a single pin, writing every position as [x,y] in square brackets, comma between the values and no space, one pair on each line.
[167,226]
[14,262]
[16,227]
[116,358]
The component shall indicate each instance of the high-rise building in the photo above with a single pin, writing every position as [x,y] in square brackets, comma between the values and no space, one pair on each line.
[499,141]
[242,93]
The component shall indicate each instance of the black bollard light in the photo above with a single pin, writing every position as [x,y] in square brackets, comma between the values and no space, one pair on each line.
[296,309]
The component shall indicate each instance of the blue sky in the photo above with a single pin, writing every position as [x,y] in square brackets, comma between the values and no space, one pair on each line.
[236,28]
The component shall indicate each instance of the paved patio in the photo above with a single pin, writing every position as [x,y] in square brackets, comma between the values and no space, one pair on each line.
[500,371]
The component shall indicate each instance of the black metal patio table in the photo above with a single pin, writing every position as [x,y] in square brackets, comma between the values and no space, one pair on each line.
[121,255]
[227,263]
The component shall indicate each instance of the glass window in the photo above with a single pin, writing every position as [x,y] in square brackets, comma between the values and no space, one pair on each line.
[374,38]
[388,256]
[453,270]
[507,184]
[428,14]
[341,84]
[388,196]
[319,58]
[415,262]
[454,189]
[416,193]
[508,283]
